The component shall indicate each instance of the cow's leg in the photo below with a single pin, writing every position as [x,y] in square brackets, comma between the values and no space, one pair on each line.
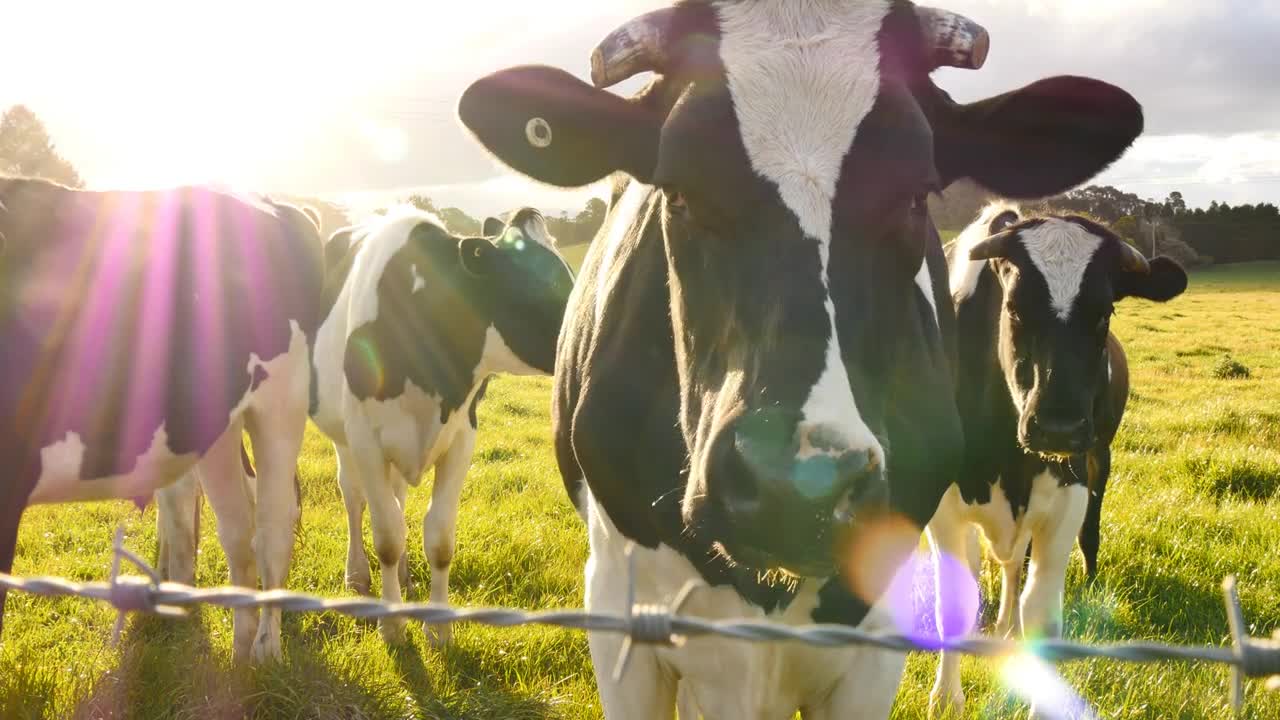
[178,529]
[867,689]
[1051,545]
[1007,621]
[440,526]
[357,577]
[231,499]
[13,501]
[386,517]
[277,431]
[949,536]
[1099,470]
[686,704]
[402,572]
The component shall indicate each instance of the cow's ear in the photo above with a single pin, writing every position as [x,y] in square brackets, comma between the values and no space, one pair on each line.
[493,227]
[552,127]
[1039,140]
[1165,281]
[476,256]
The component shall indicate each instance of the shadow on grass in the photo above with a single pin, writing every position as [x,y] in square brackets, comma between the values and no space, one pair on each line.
[170,669]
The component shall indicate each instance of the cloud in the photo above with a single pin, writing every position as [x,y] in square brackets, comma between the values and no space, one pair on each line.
[1197,67]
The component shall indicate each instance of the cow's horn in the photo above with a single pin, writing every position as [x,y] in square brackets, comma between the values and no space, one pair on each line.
[996,246]
[955,40]
[639,45]
[1131,260]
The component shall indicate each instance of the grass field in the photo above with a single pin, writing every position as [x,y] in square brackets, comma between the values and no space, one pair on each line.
[1195,495]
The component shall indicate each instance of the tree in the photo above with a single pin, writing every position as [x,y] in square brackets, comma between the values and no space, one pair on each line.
[1175,203]
[26,149]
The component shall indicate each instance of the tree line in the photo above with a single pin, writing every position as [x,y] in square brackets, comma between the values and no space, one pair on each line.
[1220,233]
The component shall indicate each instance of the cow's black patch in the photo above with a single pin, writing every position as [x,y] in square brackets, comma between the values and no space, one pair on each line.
[439,295]
[162,299]
[475,404]
[123,314]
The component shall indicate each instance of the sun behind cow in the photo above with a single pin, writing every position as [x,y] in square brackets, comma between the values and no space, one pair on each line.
[1042,386]
[142,333]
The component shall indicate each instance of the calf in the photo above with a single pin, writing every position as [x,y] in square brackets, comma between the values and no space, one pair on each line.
[1042,385]
[420,319]
[755,365]
[140,334]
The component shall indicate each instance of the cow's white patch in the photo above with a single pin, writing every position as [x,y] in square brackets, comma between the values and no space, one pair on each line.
[726,678]
[924,281]
[418,282]
[621,218]
[60,479]
[1061,251]
[803,76]
[498,357]
[965,272]
[382,238]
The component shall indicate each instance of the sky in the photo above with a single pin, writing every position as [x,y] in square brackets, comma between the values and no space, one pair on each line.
[356,101]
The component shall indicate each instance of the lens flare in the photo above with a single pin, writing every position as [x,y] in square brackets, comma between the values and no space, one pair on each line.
[373,372]
[1036,681]
[883,562]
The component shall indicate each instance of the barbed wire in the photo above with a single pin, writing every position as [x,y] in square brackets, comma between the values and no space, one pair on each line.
[652,624]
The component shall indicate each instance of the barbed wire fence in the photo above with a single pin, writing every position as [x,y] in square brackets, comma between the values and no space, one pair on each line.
[652,624]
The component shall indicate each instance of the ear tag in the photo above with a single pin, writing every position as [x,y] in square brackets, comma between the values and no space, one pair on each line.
[538,132]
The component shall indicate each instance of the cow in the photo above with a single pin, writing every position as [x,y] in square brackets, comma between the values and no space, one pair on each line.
[419,320]
[140,334]
[753,386]
[1042,389]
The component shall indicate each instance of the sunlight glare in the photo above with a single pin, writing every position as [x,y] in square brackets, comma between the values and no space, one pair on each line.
[1037,682]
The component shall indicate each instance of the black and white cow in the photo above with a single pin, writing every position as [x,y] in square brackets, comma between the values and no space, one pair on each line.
[140,334]
[1042,386]
[420,319]
[757,352]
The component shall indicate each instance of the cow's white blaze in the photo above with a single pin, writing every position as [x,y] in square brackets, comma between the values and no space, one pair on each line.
[803,75]
[1061,251]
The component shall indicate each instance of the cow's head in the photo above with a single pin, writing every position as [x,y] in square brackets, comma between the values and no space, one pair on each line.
[528,282]
[791,147]
[1060,278]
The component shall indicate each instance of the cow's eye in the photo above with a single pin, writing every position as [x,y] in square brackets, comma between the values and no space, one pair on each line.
[1014,320]
[920,204]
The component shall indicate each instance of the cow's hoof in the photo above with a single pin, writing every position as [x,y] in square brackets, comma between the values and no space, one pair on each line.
[945,704]
[359,585]
[439,636]
[266,650]
[393,630]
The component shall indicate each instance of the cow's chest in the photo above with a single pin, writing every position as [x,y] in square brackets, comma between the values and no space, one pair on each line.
[1006,526]
[410,429]
[727,678]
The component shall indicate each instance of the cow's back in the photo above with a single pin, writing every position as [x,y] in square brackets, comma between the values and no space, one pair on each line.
[131,316]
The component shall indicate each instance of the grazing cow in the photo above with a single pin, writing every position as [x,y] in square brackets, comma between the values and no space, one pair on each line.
[1042,386]
[757,354]
[419,320]
[140,334]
